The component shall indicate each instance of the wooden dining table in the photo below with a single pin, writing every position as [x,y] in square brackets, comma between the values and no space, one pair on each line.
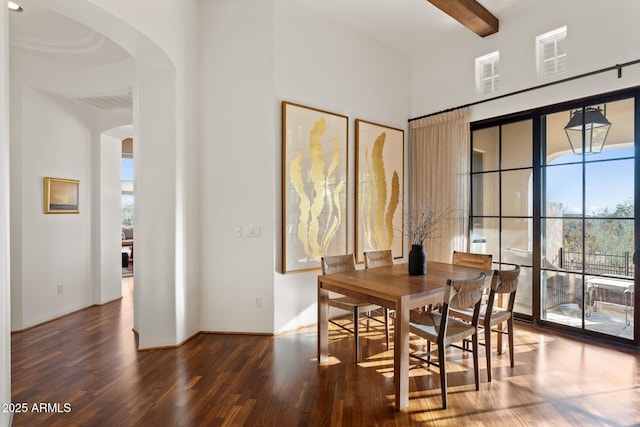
[394,288]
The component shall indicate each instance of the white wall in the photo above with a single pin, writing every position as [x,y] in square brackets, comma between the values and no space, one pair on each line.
[5,297]
[155,210]
[107,219]
[56,249]
[601,35]
[254,54]
[110,127]
[322,64]
[237,161]
[188,195]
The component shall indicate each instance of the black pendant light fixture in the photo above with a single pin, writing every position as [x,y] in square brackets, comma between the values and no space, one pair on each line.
[595,125]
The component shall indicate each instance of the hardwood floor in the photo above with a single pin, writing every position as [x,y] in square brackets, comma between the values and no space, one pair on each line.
[88,360]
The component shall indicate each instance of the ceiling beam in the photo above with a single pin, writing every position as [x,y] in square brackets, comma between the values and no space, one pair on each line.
[469,13]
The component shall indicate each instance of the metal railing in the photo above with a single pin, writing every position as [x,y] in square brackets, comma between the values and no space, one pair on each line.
[611,264]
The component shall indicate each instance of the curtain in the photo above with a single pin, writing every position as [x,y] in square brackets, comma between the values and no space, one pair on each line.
[440,168]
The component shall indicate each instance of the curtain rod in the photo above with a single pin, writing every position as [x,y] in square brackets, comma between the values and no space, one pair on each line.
[517,92]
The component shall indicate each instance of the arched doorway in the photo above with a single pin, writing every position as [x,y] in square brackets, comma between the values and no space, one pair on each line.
[154,118]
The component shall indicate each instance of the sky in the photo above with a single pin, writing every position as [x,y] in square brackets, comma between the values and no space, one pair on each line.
[607,183]
[127,169]
[127,175]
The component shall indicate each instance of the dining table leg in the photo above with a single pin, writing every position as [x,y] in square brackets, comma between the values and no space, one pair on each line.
[323,324]
[401,354]
[500,326]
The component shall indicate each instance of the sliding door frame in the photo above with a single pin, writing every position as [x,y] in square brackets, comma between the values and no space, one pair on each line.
[538,147]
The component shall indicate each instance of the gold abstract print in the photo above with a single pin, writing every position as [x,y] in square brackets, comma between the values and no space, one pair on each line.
[378,209]
[320,212]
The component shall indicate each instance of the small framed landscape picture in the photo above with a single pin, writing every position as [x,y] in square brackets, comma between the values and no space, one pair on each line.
[61,195]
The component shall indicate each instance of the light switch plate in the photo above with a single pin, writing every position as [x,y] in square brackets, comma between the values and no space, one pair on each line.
[254,231]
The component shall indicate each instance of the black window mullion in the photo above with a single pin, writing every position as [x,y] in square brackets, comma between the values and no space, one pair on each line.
[539,129]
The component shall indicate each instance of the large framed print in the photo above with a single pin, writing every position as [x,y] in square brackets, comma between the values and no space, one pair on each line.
[314,186]
[379,189]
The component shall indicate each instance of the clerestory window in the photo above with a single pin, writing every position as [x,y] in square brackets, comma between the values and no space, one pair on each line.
[551,51]
[487,73]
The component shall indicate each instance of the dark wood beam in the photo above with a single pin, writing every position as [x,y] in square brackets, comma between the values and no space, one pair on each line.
[469,13]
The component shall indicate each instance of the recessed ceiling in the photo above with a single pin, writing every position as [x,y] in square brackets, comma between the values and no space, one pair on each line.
[39,31]
[45,34]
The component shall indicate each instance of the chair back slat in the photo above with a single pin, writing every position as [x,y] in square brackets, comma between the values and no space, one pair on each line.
[504,282]
[338,264]
[469,259]
[464,293]
[507,281]
[373,259]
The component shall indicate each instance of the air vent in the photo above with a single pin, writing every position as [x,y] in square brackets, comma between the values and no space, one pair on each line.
[106,102]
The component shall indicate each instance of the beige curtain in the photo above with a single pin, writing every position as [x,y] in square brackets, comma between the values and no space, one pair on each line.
[440,170]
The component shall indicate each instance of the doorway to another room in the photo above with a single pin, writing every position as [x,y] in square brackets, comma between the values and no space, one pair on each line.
[127,207]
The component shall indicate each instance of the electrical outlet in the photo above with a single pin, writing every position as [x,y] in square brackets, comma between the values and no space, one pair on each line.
[257,302]
[60,289]
[237,231]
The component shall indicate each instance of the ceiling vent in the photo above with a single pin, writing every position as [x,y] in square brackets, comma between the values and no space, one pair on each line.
[106,102]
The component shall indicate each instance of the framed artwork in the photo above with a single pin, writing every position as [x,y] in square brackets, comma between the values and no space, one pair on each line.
[314,186]
[61,195]
[379,189]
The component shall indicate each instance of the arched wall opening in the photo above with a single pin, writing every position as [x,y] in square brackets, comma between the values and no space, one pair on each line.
[154,129]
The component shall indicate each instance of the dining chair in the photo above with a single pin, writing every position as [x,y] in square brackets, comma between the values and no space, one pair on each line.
[492,314]
[340,264]
[506,283]
[373,259]
[440,328]
[471,259]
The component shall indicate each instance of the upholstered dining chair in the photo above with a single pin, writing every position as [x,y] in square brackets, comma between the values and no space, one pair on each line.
[440,328]
[340,264]
[373,259]
[503,282]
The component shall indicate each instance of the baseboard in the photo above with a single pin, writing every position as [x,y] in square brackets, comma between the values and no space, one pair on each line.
[286,331]
[53,319]
[165,347]
[267,334]
[104,303]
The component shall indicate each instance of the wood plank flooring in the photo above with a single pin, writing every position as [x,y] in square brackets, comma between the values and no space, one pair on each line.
[89,361]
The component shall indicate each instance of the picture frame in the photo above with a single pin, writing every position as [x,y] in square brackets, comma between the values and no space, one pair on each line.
[379,217]
[314,186]
[61,196]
